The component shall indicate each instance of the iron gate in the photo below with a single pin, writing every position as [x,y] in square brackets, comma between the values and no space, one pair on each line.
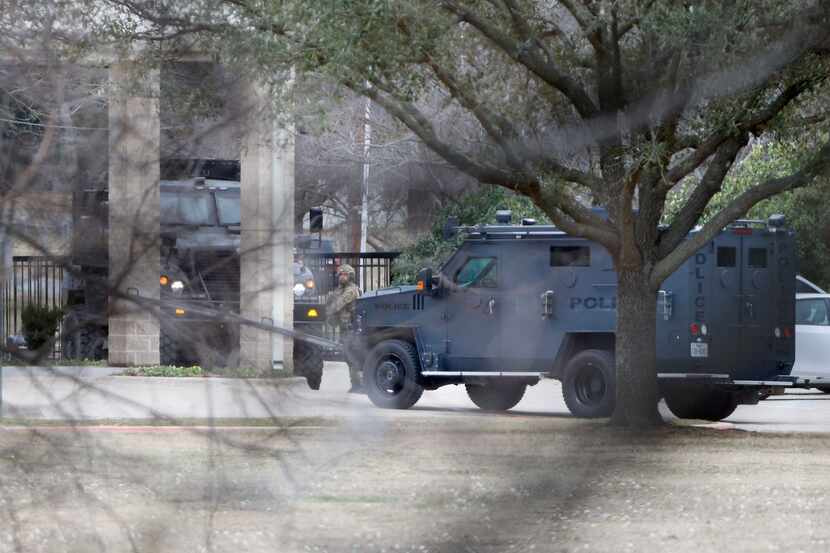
[373,270]
[30,280]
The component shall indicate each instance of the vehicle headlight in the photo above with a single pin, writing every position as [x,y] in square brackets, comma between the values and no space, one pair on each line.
[299,290]
[177,287]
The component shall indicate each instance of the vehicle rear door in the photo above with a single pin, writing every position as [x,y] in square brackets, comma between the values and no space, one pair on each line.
[724,312]
[758,304]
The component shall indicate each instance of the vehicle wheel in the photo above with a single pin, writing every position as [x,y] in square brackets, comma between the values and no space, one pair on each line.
[308,362]
[588,383]
[390,375]
[496,396]
[168,351]
[696,402]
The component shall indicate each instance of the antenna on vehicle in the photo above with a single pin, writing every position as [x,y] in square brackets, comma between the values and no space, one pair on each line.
[451,228]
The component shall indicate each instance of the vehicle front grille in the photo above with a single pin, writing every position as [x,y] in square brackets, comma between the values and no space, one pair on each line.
[221,276]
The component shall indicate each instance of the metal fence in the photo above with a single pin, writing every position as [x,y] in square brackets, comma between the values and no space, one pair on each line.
[373,270]
[40,281]
[30,280]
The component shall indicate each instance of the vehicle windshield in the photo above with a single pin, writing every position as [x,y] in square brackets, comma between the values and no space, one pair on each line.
[181,208]
[228,205]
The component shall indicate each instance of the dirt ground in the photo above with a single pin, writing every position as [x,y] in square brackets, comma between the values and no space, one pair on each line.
[440,484]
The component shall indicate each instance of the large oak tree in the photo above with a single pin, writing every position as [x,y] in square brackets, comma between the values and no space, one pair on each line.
[568,102]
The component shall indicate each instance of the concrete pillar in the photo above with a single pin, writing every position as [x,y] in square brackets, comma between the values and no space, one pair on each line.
[133,214]
[5,263]
[267,235]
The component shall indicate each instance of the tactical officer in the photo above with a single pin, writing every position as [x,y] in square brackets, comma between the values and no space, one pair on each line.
[340,313]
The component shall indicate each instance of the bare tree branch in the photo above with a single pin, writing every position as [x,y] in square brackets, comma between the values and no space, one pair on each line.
[529,58]
[710,185]
[633,22]
[410,116]
[755,124]
[819,166]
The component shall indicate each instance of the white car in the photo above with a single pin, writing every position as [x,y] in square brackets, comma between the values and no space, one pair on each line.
[812,336]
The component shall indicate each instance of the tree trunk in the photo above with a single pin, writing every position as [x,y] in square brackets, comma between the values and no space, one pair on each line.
[635,352]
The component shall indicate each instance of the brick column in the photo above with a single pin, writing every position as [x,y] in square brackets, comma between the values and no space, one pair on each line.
[267,235]
[133,214]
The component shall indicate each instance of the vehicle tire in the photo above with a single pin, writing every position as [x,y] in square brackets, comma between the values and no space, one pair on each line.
[495,395]
[308,362]
[699,402]
[588,383]
[168,351]
[390,375]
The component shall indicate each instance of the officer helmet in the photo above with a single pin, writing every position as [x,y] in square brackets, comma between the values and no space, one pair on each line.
[346,269]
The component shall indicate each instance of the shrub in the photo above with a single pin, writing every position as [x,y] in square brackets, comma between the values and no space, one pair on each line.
[478,206]
[40,323]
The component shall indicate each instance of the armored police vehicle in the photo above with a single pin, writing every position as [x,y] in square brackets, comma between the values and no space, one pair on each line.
[516,303]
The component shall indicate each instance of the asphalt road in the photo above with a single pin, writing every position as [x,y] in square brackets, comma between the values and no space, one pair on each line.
[91,392]
[796,411]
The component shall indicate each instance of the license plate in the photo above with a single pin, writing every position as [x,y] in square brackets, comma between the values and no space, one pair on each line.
[700,349]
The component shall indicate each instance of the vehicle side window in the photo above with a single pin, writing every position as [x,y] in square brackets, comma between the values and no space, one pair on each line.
[570,256]
[726,256]
[812,311]
[478,272]
[757,258]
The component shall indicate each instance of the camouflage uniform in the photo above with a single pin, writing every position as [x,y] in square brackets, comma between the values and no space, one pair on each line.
[340,308]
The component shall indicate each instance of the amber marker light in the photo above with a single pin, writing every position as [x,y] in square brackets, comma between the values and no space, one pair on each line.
[420,286]
[309,284]
[163,280]
[179,311]
[312,313]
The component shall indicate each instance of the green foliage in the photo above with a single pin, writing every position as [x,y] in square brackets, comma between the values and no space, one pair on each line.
[172,371]
[804,208]
[431,250]
[164,370]
[40,323]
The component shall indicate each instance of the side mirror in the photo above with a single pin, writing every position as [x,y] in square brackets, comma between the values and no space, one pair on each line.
[424,282]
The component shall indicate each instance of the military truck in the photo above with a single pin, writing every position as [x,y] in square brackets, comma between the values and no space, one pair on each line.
[199,280]
[310,291]
[516,303]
